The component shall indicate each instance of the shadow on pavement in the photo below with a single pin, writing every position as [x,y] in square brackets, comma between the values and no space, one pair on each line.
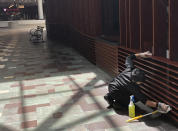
[4,128]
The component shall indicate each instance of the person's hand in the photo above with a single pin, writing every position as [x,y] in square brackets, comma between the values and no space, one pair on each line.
[146,54]
[163,108]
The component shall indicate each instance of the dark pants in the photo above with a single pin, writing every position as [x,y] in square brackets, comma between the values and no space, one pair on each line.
[122,95]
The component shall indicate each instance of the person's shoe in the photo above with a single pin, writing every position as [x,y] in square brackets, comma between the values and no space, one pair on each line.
[109,101]
[106,97]
[109,107]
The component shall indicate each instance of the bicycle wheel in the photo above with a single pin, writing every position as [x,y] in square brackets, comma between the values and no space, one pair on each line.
[38,35]
[32,31]
[33,38]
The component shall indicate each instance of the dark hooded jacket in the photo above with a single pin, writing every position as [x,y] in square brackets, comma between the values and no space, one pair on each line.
[123,83]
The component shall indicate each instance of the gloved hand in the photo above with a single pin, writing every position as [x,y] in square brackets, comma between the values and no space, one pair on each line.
[146,54]
[163,108]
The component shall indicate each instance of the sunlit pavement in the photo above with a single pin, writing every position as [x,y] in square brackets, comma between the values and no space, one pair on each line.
[53,88]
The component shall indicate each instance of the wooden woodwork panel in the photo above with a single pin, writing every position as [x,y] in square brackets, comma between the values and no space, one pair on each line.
[84,45]
[106,57]
[85,18]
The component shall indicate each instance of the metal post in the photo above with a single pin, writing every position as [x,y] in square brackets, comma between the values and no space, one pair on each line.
[40,9]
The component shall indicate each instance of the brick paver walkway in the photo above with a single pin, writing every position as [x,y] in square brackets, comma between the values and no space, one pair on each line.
[53,88]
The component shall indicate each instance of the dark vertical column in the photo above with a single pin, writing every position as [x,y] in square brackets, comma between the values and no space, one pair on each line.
[110,16]
[74,13]
[160,28]
[134,23]
[50,11]
[103,5]
[36,13]
[56,15]
[127,23]
[93,10]
[103,16]
[173,29]
[116,16]
[107,17]
[87,16]
[77,14]
[98,18]
[99,23]
[67,11]
[146,25]
[94,15]
[91,16]
[84,16]
[26,13]
[30,13]
[64,16]
[122,22]
[80,14]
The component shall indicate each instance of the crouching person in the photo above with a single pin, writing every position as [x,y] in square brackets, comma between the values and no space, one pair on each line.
[127,84]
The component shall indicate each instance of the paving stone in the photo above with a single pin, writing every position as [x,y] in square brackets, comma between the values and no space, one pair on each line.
[27,109]
[9,111]
[29,124]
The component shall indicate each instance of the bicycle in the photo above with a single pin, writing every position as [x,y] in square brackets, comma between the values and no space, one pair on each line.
[36,35]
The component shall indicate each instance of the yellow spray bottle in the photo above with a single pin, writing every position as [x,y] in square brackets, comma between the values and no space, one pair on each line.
[131,107]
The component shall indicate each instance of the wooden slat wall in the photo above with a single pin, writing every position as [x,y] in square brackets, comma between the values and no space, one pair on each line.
[154,23]
[143,26]
[87,48]
[106,57]
[84,44]
[65,13]
[161,79]
[143,23]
